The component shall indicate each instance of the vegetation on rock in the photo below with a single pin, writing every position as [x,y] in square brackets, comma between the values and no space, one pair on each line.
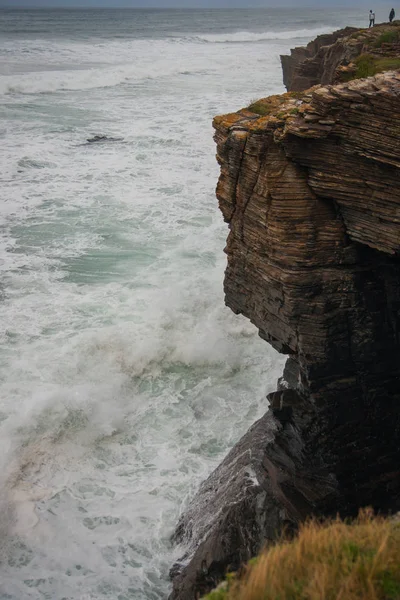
[280,106]
[344,55]
[380,52]
[260,108]
[368,65]
[391,36]
[331,561]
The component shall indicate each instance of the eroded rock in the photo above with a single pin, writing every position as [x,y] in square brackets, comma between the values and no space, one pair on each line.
[316,63]
[330,58]
[309,189]
[261,487]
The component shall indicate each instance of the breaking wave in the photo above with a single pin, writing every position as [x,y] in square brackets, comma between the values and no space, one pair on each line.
[241,37]
[58,81]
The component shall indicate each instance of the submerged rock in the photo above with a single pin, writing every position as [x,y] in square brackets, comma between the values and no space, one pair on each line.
[103,138]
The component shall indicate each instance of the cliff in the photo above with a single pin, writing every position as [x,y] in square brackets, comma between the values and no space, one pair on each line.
[342,55]
[309,188]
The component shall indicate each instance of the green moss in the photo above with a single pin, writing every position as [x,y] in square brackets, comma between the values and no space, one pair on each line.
[260,108]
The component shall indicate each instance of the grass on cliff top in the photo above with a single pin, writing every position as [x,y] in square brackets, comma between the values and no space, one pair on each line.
[260,108]
[388,37]
[270,105]
[368,65]
[334,561]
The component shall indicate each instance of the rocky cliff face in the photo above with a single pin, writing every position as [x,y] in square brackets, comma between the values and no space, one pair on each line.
[309,188]
[330,58]
[317,62]
[313,207]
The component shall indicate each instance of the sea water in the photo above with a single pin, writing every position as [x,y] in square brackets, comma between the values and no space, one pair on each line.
[124,378]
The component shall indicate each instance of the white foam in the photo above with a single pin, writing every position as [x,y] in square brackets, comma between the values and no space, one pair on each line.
[49,66]
[120,359]
[81,79]
[248,36]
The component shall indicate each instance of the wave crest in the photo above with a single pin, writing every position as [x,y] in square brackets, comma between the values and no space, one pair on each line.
[241,37]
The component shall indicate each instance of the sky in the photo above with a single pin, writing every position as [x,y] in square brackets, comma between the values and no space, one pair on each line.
[182,3]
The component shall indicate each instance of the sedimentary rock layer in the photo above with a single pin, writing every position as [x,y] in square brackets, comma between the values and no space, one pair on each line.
[265,484]
[317,62]
[309,188]
[329,58]
[313,204]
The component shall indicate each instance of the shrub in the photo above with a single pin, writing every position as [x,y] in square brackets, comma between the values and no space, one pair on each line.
[368,65]
[332,561]
[365,66]
[388,37]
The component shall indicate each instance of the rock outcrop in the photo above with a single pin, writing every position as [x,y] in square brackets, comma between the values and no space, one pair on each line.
[317,62]
[309,188]
[313,205]
[267,483]
[330,58]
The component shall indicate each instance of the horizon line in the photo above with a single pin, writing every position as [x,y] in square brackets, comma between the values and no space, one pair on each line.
[88,7]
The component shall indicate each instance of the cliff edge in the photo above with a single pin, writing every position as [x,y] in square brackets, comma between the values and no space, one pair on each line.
[309,188]
[342,55]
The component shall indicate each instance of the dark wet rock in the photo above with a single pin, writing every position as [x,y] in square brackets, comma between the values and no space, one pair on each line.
[227,513]
[103,138]
[263,486]
[291,375]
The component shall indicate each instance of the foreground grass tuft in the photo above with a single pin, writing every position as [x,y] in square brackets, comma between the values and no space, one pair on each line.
[334,561]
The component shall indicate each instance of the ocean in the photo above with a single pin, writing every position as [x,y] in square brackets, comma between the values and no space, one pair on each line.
[124,378]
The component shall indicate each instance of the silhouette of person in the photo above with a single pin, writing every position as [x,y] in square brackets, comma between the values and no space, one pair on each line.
[391,15]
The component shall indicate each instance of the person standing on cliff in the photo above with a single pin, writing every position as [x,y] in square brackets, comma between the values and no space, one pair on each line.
[391,15]
[371,18]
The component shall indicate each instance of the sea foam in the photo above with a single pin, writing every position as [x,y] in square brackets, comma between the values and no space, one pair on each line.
[125,379]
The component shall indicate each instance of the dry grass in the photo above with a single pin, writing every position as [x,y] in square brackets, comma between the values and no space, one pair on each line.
[335,561]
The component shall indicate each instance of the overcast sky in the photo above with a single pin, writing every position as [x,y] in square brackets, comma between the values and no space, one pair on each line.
[188,3]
